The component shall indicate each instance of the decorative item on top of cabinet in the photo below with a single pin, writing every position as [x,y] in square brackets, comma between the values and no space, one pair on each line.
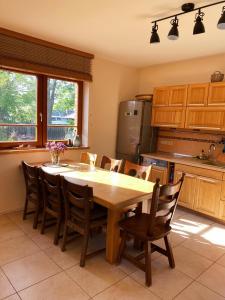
[207,118]
[197,94]
[161,96]
[216,93]
[173,117]
[178,95]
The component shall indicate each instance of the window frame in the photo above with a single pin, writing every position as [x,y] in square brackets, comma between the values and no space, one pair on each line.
[42,125]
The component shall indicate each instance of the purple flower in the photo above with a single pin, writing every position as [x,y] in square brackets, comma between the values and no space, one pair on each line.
[57,147]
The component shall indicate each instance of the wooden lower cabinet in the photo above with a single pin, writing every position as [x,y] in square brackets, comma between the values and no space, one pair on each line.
[158,172]
[222,210]
[188,190]
[208,195]
[168,117]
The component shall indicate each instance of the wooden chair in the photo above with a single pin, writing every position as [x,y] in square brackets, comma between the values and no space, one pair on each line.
[82,215]
[114,164]
[53,203]
[33,192]
[151,227]
[142,172]
[88,158]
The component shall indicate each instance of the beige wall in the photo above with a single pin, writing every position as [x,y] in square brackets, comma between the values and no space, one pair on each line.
[112,84]
[188,71]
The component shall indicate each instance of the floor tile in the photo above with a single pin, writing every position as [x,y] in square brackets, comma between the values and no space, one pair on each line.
[13,297]
[189,225]
[25,225]
[43,241]
[215,235]
[214,279]
[6,288]
[189,262]
[58,287]
[4,219]
[16,248]
[221,260]
[166,282]
[126,289]
[196,291]
[203,247]
[96,276]
[9,231]
[29,270]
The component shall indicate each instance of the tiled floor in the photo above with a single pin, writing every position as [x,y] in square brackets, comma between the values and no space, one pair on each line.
[32,268]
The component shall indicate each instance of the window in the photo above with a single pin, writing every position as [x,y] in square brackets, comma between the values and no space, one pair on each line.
[35,109]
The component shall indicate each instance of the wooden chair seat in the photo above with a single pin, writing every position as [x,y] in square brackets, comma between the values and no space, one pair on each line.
[138,225]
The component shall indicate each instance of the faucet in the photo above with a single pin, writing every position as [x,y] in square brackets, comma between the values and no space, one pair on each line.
[211,150]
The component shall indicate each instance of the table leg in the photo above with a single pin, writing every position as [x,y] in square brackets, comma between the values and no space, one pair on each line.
[113,235]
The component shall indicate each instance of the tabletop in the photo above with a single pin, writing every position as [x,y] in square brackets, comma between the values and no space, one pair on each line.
[111,189]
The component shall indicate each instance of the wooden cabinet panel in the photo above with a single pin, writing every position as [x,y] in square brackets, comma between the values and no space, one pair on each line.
[208,196]
[223,190]
[161,96]
[216,93]
[222,210]
[178,95]
[197,94]
[168,117]
[188,190]
[205,118]
[199,171]
[158,172]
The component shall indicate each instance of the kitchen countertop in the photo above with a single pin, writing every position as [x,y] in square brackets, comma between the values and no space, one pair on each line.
[186,160]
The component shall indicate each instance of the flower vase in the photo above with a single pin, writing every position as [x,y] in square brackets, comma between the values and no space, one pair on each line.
[55,158]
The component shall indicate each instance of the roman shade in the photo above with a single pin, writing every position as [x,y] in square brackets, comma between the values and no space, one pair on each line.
[30,54]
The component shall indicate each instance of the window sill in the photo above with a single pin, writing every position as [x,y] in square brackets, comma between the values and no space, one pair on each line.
[30,150]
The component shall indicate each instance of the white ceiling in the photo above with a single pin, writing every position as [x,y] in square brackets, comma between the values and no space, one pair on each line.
[117,30]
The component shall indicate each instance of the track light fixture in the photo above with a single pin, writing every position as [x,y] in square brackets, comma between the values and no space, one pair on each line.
[221,22]
[173,33]
[198,27]
[154,37]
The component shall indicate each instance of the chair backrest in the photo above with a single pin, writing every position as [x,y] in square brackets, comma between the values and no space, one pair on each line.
[32,182]
[163,204]
[51,188]
[114,164]
[88,158]
[78,201]
[138,171]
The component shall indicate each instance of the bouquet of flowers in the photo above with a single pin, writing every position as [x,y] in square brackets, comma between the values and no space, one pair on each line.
[55,149]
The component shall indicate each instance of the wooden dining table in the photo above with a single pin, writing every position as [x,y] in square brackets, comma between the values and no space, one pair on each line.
[115,191]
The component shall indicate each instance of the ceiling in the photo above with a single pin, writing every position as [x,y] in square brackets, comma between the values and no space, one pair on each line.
[116,30]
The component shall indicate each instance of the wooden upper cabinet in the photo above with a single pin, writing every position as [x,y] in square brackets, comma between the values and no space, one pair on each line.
[178,95]
[168,117]
[216,93]
[197,94]
[205,118]
[161,96]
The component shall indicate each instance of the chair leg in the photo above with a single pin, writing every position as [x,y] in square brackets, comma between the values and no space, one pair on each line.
[169,252]
[148,267]
[36,215]
[84,248]
[122,246]
[43,222]
[25,209]
[65,233]
[57,231]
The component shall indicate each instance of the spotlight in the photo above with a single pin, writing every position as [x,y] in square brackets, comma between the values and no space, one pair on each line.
[221,22]
[173,33]
[154,37]
[199,26]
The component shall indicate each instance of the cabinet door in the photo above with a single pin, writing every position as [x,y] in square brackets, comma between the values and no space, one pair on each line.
[216,93]
[168,117]
[197,94]
[208,196]
[205,118]
[161,96]
[222,210]
[178,95]
[158,172]
[188,189]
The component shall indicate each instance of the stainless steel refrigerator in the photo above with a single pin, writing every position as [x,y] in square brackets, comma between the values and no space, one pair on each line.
[134,132]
